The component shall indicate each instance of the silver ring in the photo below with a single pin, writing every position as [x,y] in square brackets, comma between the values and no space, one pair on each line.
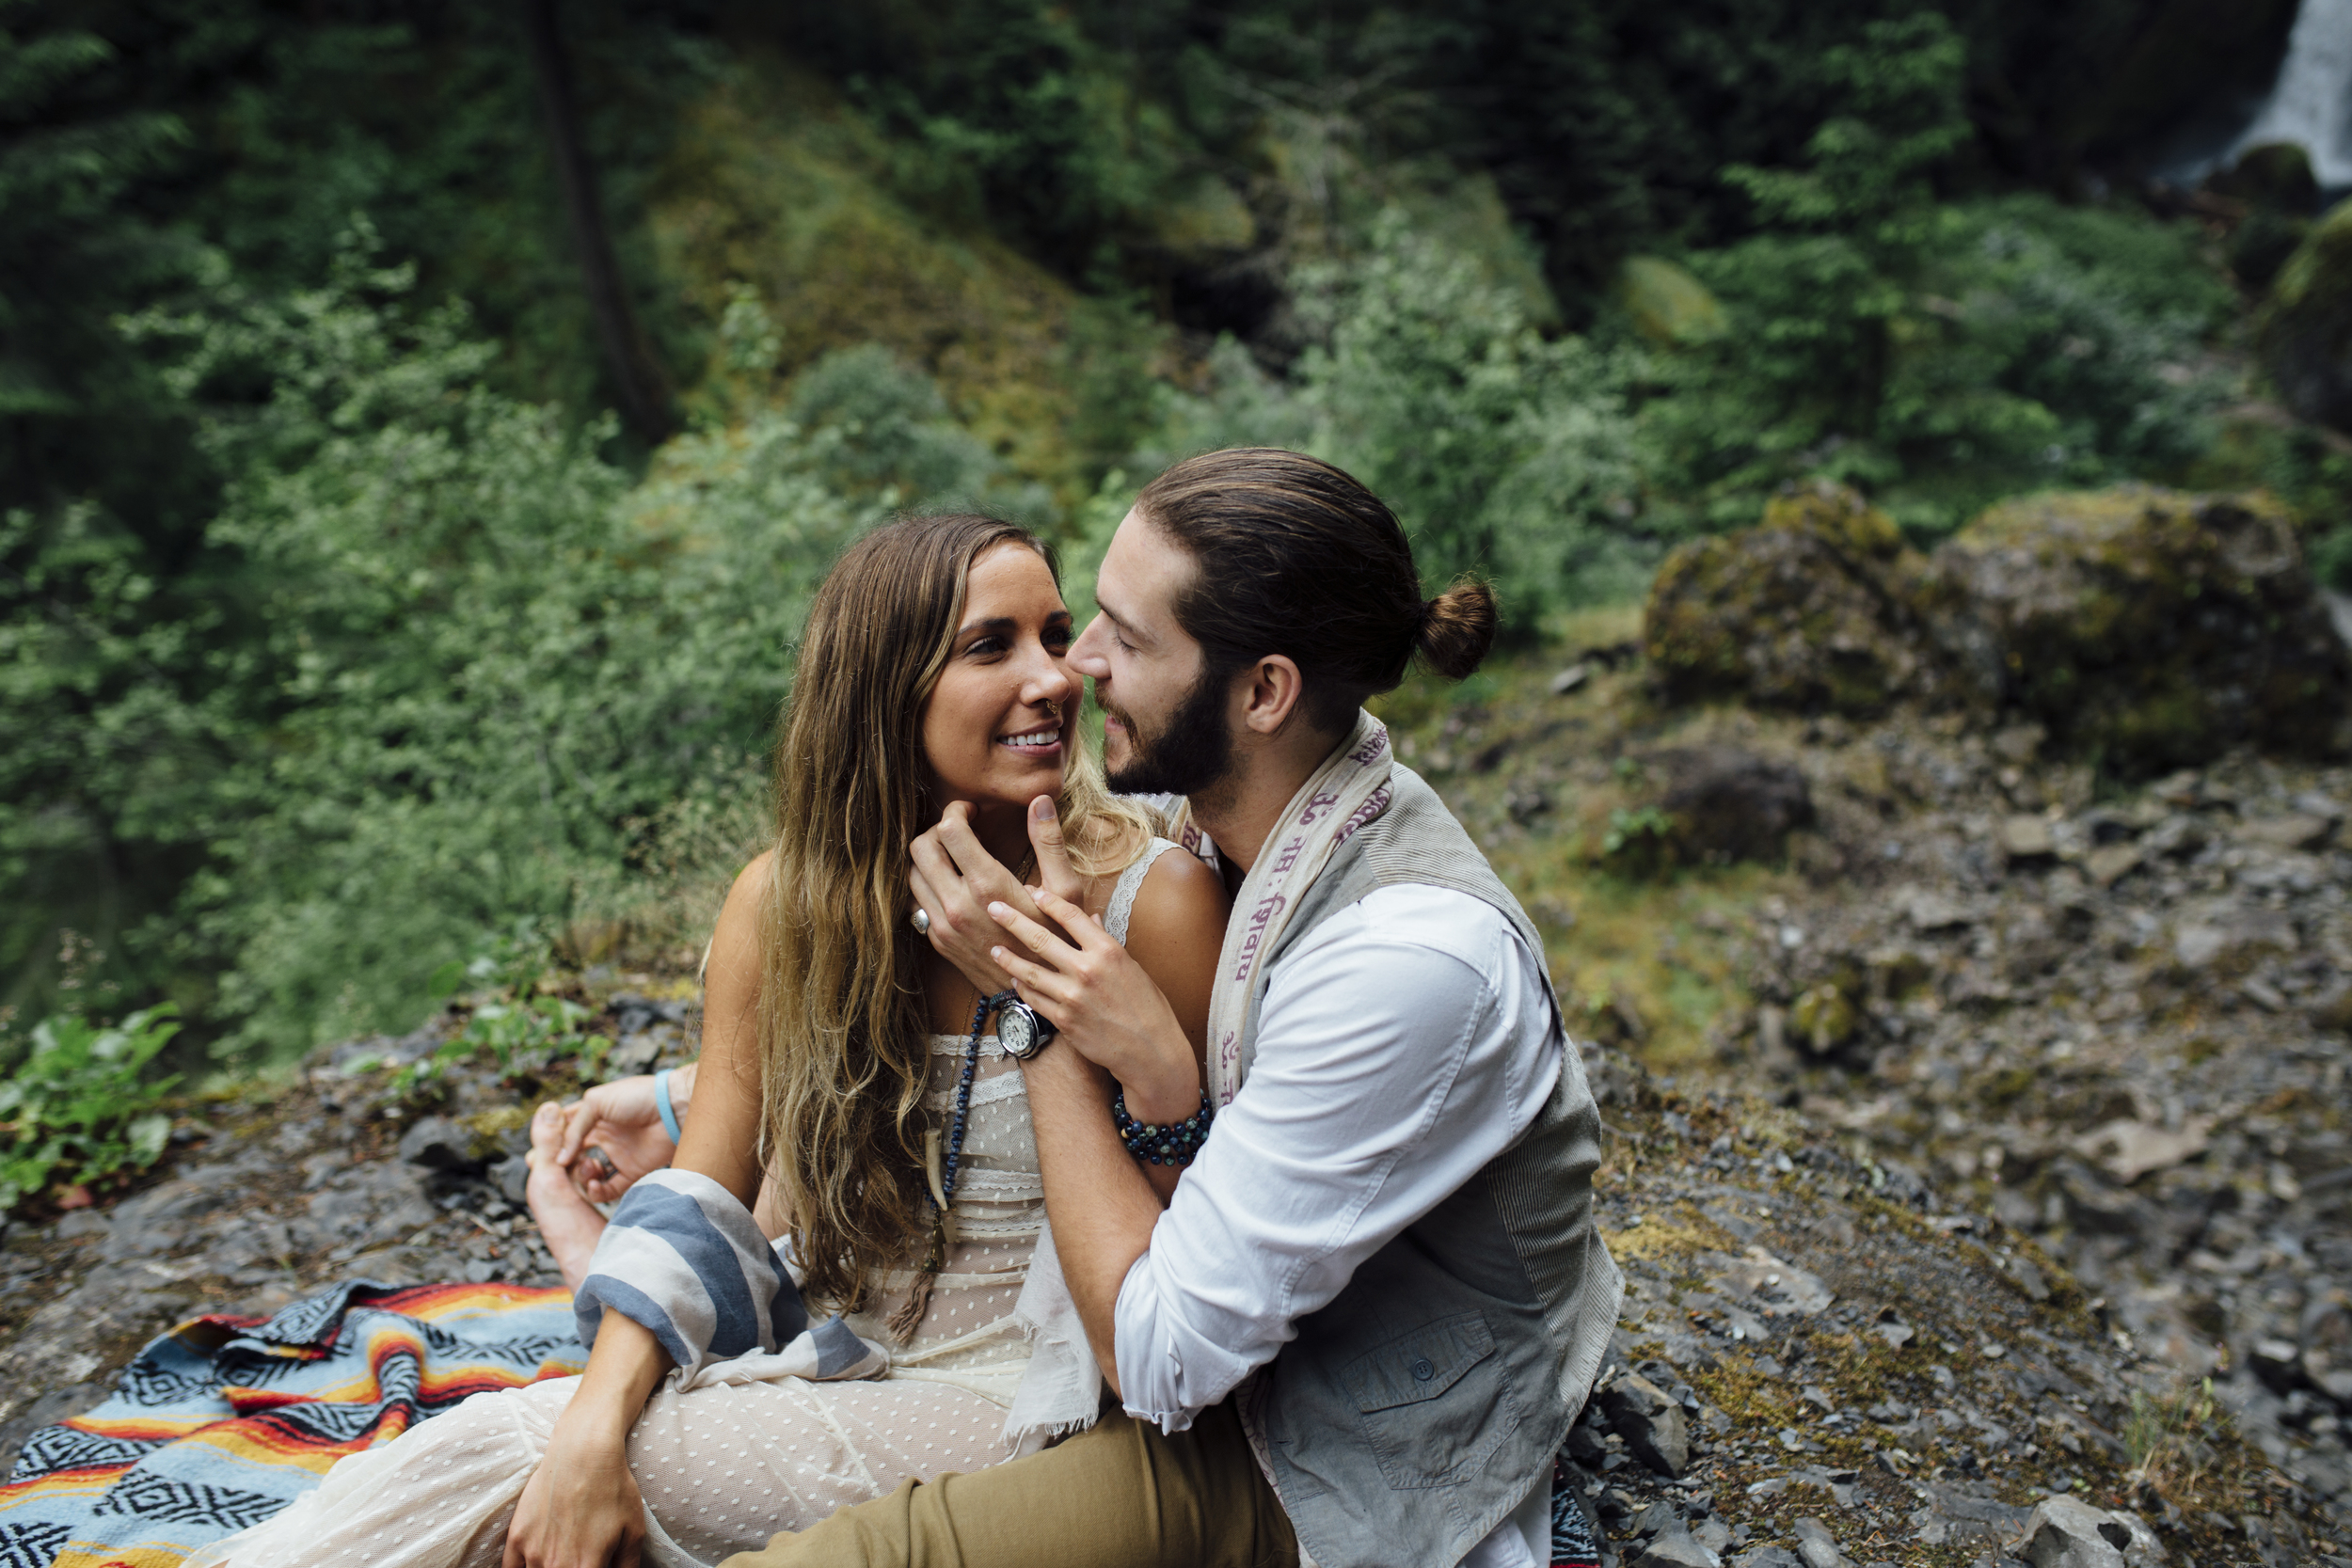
[922,923]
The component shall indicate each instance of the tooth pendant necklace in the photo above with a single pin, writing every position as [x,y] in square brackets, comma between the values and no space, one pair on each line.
[904,1322]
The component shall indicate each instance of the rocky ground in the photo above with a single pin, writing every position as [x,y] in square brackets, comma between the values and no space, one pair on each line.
[272,1193]
[2028,1087]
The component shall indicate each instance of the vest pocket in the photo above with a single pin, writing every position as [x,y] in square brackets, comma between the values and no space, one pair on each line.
[1433,1405]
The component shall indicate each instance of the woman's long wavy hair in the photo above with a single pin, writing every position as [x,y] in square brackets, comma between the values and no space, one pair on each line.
[843,1018]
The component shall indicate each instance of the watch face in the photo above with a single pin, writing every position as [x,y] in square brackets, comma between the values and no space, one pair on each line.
[1017,1031]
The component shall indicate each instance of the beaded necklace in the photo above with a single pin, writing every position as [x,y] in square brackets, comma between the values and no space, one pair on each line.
[964,1098]
[904,1322]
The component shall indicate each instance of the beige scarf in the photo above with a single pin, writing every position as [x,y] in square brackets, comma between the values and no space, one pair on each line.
[1349,789]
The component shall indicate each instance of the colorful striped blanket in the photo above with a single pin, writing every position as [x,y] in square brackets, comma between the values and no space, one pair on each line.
[224,1421]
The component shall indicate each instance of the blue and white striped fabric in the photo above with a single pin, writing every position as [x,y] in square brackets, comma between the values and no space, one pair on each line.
[685,1259]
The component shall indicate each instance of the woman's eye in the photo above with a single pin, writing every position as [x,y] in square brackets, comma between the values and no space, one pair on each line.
[987,645]
[1059,636]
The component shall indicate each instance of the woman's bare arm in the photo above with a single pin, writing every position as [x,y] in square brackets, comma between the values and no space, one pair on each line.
[581,1508]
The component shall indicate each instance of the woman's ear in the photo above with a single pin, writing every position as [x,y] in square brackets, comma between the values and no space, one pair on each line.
[1275,689]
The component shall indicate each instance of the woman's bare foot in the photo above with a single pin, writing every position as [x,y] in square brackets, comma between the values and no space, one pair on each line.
[568,1223]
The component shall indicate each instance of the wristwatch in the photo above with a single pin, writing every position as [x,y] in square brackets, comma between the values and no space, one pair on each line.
[1023,1031]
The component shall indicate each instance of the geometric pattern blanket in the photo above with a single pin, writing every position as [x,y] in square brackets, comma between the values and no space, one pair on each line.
[226,1419]
[1572,1541]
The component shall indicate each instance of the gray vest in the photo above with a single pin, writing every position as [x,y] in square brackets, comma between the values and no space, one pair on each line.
[1411,1415]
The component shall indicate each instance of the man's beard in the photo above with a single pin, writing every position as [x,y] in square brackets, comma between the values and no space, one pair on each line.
[1192,753]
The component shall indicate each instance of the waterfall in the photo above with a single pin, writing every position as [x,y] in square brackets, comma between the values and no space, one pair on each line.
[2310,103]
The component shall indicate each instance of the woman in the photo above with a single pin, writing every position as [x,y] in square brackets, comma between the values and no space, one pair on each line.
[930,685]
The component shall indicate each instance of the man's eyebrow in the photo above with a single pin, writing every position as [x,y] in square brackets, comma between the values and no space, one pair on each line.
[1134,633]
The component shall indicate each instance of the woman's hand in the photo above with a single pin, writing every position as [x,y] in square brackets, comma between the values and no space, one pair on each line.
[954,880]
[1104,1004]
[580,1508]
[626,1124]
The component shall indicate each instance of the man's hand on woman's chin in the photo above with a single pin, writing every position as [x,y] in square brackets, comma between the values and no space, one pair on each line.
[954,879]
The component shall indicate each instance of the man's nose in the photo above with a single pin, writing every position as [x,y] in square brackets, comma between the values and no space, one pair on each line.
[1086,655]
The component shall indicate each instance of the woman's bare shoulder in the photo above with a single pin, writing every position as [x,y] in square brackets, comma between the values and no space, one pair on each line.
[738,920]
[1181,903]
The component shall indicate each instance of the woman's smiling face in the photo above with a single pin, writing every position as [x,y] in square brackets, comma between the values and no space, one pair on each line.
[996,727]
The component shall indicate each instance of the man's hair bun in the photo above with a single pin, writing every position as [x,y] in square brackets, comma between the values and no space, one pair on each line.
[1457,627]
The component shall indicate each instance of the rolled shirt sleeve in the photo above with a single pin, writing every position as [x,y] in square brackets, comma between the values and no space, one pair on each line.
[1406,1042]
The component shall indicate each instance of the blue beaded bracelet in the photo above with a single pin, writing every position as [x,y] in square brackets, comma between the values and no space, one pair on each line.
[1174,1143]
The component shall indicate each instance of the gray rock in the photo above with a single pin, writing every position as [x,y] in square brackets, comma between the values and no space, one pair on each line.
[2293,830]
[439,1144]
[2278,1362]
[1571,679]
[1954,1516]
[2063,1532]
[1759,1276]
[1732,805]
[510,1175]
[2026,838]
[635,1053]
[1655,1519]
[1930,912]
[1676,1547]
[1817,1545]
[1767,1556]
[163,1219]
[2223,932]
[47,1410]
[1652,1425]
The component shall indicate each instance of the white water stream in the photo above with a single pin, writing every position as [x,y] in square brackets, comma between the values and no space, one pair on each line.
[2310,103]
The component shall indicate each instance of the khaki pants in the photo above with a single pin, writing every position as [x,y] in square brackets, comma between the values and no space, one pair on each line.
[1118,1496]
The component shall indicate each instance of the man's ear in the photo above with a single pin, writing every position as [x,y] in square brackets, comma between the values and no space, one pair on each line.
[1271,691]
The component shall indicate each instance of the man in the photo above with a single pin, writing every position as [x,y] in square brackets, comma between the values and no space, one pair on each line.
[1358,1332]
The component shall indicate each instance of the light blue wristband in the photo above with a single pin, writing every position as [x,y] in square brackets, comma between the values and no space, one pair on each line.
[661,1103]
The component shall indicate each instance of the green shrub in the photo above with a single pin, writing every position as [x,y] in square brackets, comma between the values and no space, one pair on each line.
[1502,451]
[481,660]
[1940,355]
[79,1108]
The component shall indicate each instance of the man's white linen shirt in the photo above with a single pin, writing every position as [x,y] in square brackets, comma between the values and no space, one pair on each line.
[1402,1044]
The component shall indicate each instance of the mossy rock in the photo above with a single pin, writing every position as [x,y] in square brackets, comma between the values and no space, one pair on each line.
[1825,1020]
[1669,305]
[2306,329]
[2277,175]
[2147,628]
[1807,611]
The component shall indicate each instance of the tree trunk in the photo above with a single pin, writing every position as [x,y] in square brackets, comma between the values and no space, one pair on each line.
[643,389]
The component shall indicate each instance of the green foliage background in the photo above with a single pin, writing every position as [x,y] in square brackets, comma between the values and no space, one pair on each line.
[339,625]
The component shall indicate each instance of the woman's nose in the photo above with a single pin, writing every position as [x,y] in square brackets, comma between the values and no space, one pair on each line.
[1048,680]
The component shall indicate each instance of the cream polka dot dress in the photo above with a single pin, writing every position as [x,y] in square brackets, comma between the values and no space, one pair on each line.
[724,1467]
